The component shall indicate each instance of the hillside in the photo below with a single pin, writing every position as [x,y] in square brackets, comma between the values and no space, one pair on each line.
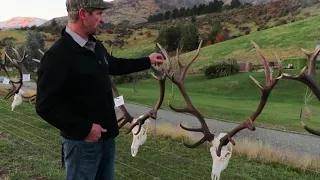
[130,12]
[286,40]
[18,22]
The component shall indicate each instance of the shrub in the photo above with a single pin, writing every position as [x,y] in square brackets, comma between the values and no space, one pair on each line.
[221,69]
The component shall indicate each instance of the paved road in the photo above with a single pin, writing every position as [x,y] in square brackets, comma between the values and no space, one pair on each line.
[294,142]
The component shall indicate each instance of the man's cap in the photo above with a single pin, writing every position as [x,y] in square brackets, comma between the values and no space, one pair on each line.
[75,5]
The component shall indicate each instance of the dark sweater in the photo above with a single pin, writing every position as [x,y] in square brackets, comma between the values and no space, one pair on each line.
[73,87]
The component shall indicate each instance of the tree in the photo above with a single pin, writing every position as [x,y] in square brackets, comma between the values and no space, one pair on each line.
[169,37]
[34,41]
[193,19]
[167,15]
[235,4]
[175,13]
[10,52]
[182,12]
[189,36]
[216,28]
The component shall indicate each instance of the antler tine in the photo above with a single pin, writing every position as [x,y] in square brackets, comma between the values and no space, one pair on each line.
[20,59]
[179,50]
[14,63]
[266,90]
[208,136]
[161,76]
[264,61]
[312,131]
[11,60]
[37,60]
[126,117]
[309,78]
[41,51]
[17,54]
[169,62]
[194,58]
[3,66]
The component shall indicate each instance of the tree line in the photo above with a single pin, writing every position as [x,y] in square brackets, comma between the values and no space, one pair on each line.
[213,7]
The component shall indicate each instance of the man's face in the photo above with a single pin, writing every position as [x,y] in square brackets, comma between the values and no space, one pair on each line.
[92,21]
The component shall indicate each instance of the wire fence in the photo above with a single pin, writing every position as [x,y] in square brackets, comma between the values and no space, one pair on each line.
[15,123]
[18,121]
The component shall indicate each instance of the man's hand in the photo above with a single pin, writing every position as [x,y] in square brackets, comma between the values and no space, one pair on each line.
[156,58]
[95,133]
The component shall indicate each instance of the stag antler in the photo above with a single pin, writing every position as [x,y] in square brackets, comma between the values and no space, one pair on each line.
[126,117]
[309,78]
[266,90]
[37,60]
[312,131]
[161,76]
[4,68]
[208,136]
[16,64]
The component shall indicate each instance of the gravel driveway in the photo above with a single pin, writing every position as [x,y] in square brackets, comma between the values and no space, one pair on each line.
[294,142]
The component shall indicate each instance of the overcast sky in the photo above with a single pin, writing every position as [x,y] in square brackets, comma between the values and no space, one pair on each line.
[45,9]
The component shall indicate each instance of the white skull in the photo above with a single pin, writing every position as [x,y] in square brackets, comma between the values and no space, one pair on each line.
[219,163]
[21,92]
[140,138]
[17,100]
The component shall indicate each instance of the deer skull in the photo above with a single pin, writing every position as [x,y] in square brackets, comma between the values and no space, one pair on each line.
[219,163]
[140,138]
[17,100]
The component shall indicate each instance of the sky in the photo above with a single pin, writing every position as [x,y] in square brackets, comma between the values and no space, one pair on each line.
[45,9]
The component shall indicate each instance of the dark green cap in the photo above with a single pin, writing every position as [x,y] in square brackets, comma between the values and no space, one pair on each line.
[75,5]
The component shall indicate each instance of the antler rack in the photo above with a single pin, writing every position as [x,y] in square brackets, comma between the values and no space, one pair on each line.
[161,76]
[266,90]
[179,82]
[19,66]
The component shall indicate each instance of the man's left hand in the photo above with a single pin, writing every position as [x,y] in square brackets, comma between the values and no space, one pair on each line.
[156,58]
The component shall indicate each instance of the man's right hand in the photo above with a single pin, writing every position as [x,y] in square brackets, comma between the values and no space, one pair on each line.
[95,133]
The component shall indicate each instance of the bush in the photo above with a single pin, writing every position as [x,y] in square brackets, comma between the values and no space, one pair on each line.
[221,69]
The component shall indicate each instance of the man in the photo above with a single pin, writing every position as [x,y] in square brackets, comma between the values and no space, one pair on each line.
[74,92]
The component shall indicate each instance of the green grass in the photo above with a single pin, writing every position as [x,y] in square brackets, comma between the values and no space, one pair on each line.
[30,149]
[233,98]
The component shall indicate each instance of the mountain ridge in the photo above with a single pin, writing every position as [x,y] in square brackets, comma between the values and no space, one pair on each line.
[19,21]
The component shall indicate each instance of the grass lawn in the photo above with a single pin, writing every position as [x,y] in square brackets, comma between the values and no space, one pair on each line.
[30,149]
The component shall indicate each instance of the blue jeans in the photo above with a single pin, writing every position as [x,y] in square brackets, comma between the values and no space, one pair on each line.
[89,161]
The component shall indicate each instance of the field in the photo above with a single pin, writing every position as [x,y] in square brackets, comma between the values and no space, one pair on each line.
[30,149]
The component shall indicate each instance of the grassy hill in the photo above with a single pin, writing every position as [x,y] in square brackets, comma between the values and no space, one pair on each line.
[286,40]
